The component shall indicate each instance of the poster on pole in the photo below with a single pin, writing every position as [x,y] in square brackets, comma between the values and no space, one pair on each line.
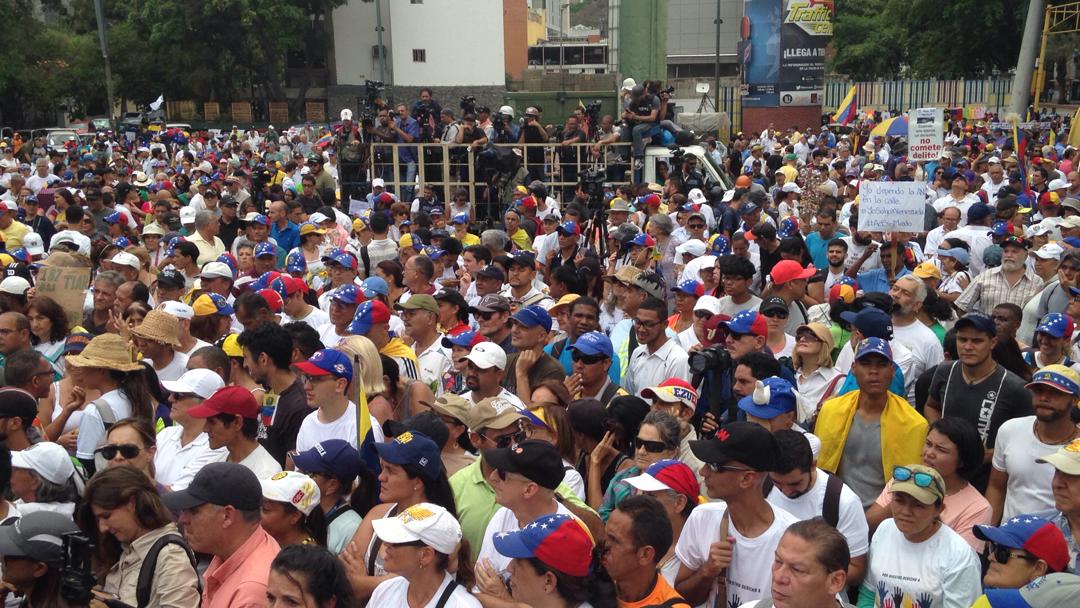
[892,206]
[67,286]
[926,134]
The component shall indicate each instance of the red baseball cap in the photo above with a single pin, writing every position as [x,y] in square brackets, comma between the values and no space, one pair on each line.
[235,400]
[789,270]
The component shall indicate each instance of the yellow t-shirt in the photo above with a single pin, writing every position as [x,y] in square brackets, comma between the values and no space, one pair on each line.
[13,234]
[468,240]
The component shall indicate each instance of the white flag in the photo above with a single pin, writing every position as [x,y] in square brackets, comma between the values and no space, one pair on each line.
[156,105]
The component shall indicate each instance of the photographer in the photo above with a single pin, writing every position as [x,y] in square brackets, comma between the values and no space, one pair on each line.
[504,131]
[426,104]
[612,157]
[352,154]
[471,135]
[532,132]
[382,131]
[639,117]
[34,560]
[408,131]
[569,159]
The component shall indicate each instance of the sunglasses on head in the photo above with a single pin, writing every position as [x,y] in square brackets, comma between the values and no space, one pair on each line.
[652,447]
[127,450]
[586,359]
[923,480]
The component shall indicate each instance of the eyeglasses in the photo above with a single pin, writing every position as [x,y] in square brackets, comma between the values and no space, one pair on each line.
[776,314]
[586,359]
[1002,555]
[307,379]
[922,480]
[652,447]
[127,450]
[703,314]
[646,324]
[696,226]
[717,468]
[506,441]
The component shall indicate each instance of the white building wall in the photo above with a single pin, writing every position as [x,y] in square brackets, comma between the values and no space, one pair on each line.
[354,36]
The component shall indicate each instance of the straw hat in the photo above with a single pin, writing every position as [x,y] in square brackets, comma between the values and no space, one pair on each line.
[159,326]
[107,351]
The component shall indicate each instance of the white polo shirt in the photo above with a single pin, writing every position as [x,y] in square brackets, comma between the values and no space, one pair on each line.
[175,465]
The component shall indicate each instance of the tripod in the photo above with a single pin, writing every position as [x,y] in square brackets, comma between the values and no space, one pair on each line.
[706,103]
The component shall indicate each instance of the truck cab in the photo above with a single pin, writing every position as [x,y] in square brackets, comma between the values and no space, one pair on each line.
[714,175]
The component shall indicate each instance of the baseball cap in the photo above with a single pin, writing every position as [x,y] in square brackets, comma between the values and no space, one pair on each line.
[413,448]
[339,256]
[719,245]
[748,322]
[460,218]
[367,315]
[564,301]
[486,355]
[49,460]
[420,301]
[1056,324]
[871,322]
[539,461]
[492,302]
[710,304]
[999,228]
[336,457]
[124,258]
[211,304]
[977,321]
[491,271]
[650,283]
[265,249]
[327,362]
[957,253]
[533,316]
[745,442]
[569,228]
[643,240]
[978,211]
[17,403]
[219,483]
[199,382]
[691,288]
[1061,377]
[693,247]
[14,285]
[286,286]
[257,218]
[295,262]
[873,346]
[842,291]
[593,343]
[790,270]
[672,390]
[1035,535]
[423,522]
[38,536]
[1057,589]
[1050,251]
[349,293]
[493,413]
[214,270]
[116,217]
[773,304]
[919,481]
[373,286]
[668,474]
[626,275]
[523,258]
[927,270]
[292,488]
[187,216]
[33,243]
[409,240]
[454,406]
[235,400]
[465,339]
[1016,241]
[171,278]
[772,397]
[273,299]
[559,541]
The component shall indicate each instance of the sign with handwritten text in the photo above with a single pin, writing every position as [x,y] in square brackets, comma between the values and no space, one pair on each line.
[67,286]
[892,206]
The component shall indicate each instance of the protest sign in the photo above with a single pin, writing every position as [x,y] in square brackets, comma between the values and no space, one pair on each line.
[926,134]
[67,286]
[892,206]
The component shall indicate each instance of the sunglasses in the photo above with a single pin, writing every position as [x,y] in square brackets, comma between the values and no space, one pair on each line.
[922,480]
[1002,555]
[486,315]
[508,440]
[776,314]
[127,450]
[703,314]
[696,226]
[586,359]
[652,447]
[717,468]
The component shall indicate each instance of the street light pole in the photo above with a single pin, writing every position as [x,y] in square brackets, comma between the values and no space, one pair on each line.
[382,49]
[1025,64]
[99,10]
[716,81]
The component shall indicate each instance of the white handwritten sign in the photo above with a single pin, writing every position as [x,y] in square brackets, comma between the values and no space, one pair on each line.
[926,134]
[892,206]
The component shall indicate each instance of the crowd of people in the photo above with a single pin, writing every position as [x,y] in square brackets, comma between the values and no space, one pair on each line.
[269,396]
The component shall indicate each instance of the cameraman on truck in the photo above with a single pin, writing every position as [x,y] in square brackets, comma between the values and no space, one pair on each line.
[352,154]
[568,154]
[640,115]
[408,131]
[504,131]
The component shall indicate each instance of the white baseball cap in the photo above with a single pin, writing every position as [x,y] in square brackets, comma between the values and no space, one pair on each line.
[124,258]
[79,239]
[425,522]
[187,215]
[791,187]
[14,285]
[293,488]
[697,197]
[378,183]
[628,84]
[200,382]
[694,247]
[708,303]
[48,459]
[153,229]
[33,244]
[1057,184]
[177,309]
[214,270]
[1039,229]
[317,218]
[993,161]
[487,355]
[1050,251]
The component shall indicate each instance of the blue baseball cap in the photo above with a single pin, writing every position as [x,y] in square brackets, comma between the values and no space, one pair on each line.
[20,254]
[212,304]
[373,286]
[569,228]
[771,397]
[721,245]
[593,343]
[690,288]
[559,541]
[977,321]
[295,262]
[368,314]
[524,258]
[265,248]
[748,322]
[1072,241]
[999,228]
[228,260]
[788,227]
[259,218]
[871,322]
[1060,377]
[643,240]
[335,457]
[461,218]
[1056,324]
[349,293]
[122,242]
[264,280]
[413,448]
[873,346]
[433,252]
[1036,535]
[464,339]
[113,218]
[957,253]
[532,316]
[327,362]
[342,257]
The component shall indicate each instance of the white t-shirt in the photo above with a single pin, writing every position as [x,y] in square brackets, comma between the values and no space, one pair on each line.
[1015,451]
[176,465]
[503,394]
[92,429]
[329,336]
[504,520]
[316,318]
[172,371]
[261,463]
[394,592]
[852,522]
[312,430]
[187,355]
[942,569]
[750,575]
[924,346]
[434,363]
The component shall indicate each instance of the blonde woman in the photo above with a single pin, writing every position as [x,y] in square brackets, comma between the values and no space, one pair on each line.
[815,375]
[390,396]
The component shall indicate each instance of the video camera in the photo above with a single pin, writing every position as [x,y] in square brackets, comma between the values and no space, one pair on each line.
[468,104]
[77,577]
[369,108]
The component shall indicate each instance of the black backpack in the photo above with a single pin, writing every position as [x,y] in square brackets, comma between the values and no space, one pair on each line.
[149,567]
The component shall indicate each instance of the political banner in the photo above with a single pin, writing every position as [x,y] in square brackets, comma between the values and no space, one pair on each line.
[67,286]
[892,206]
[759,53]
[806,30]
[926,134]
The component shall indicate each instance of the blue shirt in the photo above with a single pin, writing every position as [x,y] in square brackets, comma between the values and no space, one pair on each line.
[877,280]
[819,249]
[407,154]
[567,360]
[288,238]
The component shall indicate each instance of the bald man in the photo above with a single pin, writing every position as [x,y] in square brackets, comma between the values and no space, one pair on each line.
[286,233]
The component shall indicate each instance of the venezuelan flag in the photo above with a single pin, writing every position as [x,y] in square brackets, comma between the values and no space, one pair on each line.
[1021,160]
[849,107]
[325,140]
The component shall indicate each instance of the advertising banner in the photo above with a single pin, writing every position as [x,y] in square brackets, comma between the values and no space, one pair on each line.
[806,30]
[759,53]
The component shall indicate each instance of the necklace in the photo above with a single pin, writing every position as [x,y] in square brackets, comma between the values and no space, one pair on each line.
[974,381]
[1038,436]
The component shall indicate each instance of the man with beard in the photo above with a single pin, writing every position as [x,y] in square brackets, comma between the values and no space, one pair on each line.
[908,294]
[1018,483]
[268,351]
[1011,282]
[880,279]
[831,273]
[857,244]
[977,388]
[485,368]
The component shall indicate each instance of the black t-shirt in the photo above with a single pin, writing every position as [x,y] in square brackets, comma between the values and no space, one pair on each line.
[228,231]
[292,408]
[535,134]
[568,154]
[645,106]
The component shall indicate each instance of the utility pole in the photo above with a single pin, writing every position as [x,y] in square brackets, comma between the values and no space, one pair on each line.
[382,49]
[1025,64]
[716,80]
[99,10]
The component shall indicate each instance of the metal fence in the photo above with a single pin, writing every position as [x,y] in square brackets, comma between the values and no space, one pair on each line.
[992,94]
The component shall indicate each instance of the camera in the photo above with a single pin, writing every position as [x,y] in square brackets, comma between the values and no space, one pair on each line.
[591,182]
[77,578]
[369,107]
[715,358]
[468,104]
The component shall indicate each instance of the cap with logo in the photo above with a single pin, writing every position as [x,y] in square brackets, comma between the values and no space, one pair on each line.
[672,390]
[593,343]
[538,461]
[369,314]
[423,522]
[413,448]
[773,305]
[772,397]
[1056,589]
[790,270]
[745,442]
[335,457]
[420,301]
[465,339]
[1056,324]
[559,541]
[349,293]
[492,302]
[327,362]
[669,474]
[650,283]
[533,316]
[295,262]
[37,536]
[493,413]
[873,346]
[523,258]
[690,288]
[1035,535]
[748,322]
[234,400]
[1057,376]
[219,483]
[211,304]
[871,322]
[486,355]
[292,488]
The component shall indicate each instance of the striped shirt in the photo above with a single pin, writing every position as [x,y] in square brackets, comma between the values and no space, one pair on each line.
[992,288]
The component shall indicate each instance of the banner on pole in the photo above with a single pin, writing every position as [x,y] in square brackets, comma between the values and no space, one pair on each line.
[926,134]
[892,206]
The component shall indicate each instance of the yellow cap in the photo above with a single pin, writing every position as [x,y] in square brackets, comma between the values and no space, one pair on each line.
[564,301]
[410,240]
[927,270]
[231,346]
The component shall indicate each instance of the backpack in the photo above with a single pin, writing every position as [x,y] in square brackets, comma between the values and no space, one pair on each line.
[830,510]
[149,567]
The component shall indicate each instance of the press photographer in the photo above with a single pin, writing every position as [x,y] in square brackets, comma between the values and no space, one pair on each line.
[34,561]
[532,132]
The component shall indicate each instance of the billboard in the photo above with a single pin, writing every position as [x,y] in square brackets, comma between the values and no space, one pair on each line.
[782,51]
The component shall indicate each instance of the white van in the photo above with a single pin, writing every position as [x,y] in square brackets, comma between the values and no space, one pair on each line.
[714,175]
